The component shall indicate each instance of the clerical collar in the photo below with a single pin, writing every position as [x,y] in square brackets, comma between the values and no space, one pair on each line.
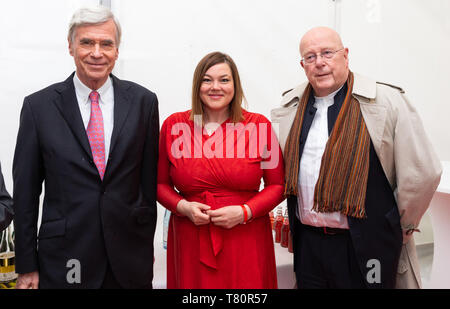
[330,96]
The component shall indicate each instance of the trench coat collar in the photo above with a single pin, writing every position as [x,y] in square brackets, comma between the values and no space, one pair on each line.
[364,86]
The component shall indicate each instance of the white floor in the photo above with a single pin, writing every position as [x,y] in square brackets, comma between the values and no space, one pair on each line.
[425,255]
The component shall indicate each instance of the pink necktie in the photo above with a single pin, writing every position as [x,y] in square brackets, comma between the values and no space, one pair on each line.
[95,133]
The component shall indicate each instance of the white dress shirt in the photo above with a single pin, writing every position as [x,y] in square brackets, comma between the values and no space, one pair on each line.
[310,167]
[106,103]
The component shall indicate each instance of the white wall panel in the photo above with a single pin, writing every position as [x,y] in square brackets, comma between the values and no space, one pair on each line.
[164,41]
[406,43]
[33,55]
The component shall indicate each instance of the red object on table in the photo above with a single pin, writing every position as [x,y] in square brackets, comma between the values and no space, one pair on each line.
[272,219]
[285,232]
[278,225]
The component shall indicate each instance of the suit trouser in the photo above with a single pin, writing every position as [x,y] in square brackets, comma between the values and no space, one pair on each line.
[326,261]
[110,281]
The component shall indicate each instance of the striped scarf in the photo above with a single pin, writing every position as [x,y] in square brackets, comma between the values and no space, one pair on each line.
[344,170]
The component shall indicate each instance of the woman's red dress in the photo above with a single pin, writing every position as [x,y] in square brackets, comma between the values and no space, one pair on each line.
[220,170]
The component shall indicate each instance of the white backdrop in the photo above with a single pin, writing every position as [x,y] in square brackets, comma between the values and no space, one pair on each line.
[404,42]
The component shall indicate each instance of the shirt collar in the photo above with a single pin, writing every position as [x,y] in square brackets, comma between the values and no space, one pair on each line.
[84,91]
[327,100]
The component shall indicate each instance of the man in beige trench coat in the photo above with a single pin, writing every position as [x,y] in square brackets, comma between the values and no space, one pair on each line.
[360,173]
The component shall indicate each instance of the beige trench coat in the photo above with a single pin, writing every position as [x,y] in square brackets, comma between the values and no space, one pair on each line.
[406,155]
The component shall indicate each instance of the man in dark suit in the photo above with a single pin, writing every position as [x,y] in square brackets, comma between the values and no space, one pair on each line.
[93,140]
[6,211]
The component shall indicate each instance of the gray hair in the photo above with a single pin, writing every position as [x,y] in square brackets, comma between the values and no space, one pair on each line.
[93,16]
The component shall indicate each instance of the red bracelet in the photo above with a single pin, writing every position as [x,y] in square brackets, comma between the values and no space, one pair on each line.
[245,214]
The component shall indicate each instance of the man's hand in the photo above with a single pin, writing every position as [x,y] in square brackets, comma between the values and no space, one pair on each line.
[28,281]
[408,230]
[196,212]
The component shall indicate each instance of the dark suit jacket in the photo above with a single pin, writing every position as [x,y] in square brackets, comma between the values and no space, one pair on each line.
[6,210]
[379,236]
[84,218]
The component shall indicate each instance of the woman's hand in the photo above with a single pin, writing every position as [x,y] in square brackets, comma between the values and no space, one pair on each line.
[196,212]
[229,216]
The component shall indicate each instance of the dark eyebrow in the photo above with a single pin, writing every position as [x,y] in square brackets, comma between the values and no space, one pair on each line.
[88,40]
[85,40]
[225,75]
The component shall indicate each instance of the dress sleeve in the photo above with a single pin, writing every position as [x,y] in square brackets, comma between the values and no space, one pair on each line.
[272,166]
[166,194]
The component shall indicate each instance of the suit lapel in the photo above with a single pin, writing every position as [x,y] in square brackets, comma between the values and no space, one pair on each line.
[68,106]
[122,104]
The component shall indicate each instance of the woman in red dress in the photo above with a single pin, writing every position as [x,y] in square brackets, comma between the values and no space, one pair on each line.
[211,162]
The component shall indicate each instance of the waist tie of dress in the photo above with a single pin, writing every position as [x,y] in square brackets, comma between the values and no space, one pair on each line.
[210,235]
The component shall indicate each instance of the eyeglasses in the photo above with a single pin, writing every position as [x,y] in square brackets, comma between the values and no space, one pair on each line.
[326,54]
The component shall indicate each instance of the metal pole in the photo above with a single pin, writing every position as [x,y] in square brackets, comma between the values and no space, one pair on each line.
[337,15]
[106,3]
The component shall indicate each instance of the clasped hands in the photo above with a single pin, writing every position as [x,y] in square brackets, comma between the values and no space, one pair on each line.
[200,214]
